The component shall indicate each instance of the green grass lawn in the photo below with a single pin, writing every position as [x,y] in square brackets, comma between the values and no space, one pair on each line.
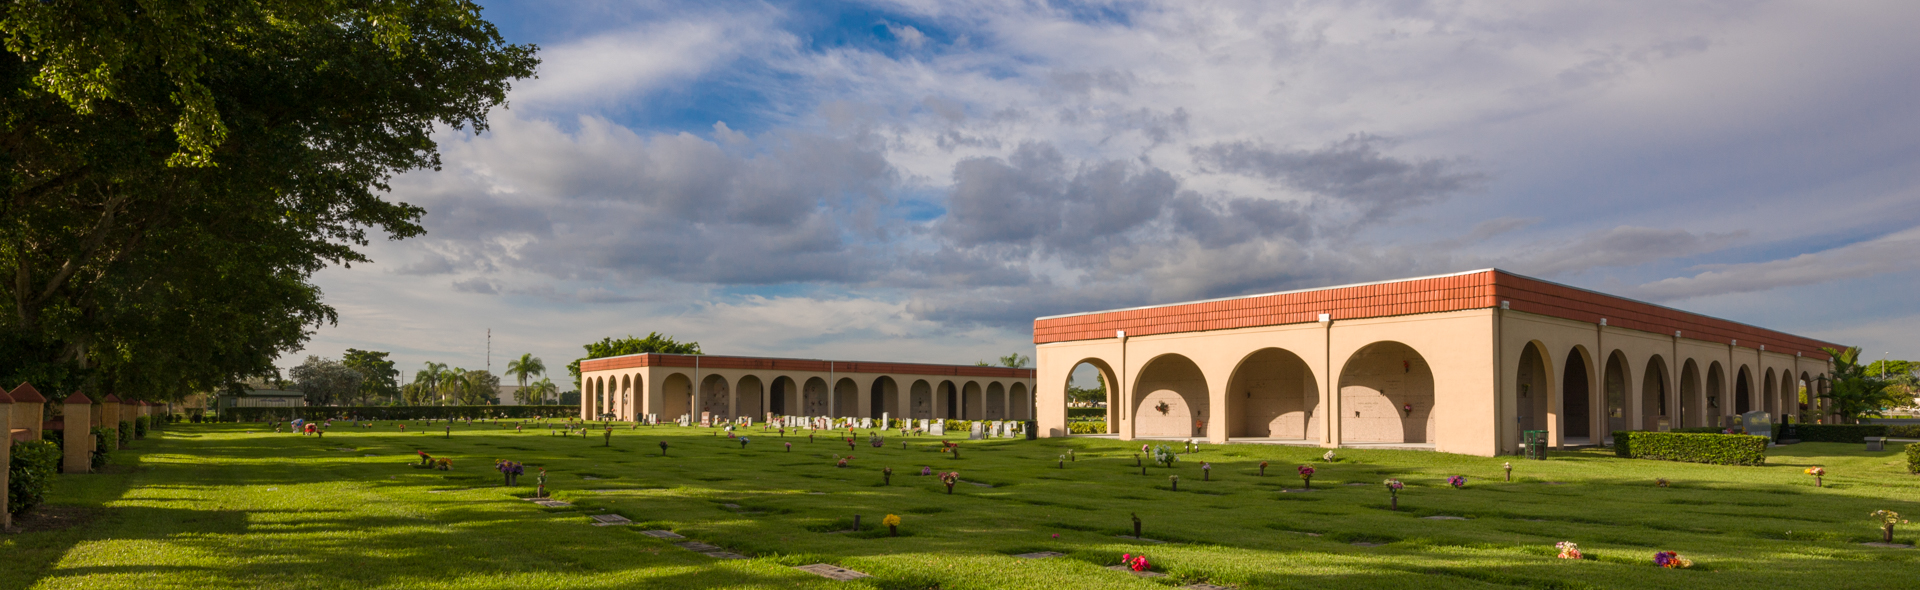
[217,506]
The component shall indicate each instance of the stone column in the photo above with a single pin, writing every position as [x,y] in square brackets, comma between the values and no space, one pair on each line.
[6,458]
[78,437]
[28,410]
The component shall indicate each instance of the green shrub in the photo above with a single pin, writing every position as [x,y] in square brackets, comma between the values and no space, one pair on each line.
[1087,427]
[1095,413]
[1903,430]
[140,425]
[126,434]
[1840,433]
[398,412]
[1722,449]
[1913,458]
[103,438]
[1699,430]
[30,474]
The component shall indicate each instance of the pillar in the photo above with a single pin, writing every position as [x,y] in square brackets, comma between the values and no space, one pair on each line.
[78,435]
[110,417]
[6,458]
[28,410]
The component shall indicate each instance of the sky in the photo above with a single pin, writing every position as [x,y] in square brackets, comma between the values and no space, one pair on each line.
[919,180]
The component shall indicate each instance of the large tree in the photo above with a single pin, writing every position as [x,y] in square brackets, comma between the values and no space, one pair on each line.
[175,172]
[606,347]
[1855,393]
[380,381]
[525,366]
[327,382]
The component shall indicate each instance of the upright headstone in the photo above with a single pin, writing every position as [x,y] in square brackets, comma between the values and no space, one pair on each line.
[937,428]
[77,434]
[1757,423]
[706,419]
[866,423]
[884,421]
[924,427]
[974,431]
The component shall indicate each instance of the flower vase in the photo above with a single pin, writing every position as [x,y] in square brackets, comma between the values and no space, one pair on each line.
[1817,483]
[893,531]
[1306,483]
[1394,501]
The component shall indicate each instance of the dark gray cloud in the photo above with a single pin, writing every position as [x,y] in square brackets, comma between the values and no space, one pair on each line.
[1035,197]
[1351,172]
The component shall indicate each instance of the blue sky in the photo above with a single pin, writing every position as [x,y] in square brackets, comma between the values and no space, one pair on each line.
[917,180]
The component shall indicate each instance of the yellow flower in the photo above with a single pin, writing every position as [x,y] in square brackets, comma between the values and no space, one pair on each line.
[890,520]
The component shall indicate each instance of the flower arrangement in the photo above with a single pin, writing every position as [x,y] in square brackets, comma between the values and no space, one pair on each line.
[511,470]
[1457,481]
[1393,489]
[1329,457]
[892,522]
[843,461]
[1163,407]
[443,464]
[1176,482]
[1164,455]
[926,471]
[1206,471]
[663,448]
[886,476]
[1306,476]
[1568,550]
[1886,518]
[950,478]
[425,459]
[744,441]
[1136,563]
[1818,473]
[1671,560]
[1070,456]
[789,447]
[1263,469]
[1063,461]
[1509,467]
[1661,481]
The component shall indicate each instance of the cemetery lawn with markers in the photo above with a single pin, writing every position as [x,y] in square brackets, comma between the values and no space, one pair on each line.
[214,506]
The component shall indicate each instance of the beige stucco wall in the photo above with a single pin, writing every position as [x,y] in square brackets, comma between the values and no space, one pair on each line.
[727,393]
[1468,362]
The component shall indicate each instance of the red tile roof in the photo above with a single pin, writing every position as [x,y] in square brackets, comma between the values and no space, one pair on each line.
[77,398]
[1479,289]
[26,394]
[708,361]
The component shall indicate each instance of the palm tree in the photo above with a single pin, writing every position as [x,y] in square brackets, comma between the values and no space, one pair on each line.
[427,383]
[537,393]
[525,366]
[453,385]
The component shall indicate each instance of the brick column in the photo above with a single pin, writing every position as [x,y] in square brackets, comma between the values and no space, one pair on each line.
[78,437]
[110,417]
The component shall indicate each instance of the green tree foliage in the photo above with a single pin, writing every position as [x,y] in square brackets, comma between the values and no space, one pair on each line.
[537,393]
[327,382]
[176,172]
[525,366]
[1855,393]
[654,342]
[1015,360]
[379,380]
[1089,395]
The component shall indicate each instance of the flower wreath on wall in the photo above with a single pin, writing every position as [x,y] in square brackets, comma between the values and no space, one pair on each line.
[1162,407]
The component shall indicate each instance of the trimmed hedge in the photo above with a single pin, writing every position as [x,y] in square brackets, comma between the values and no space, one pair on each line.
[126,434]
[1087,427]
[1840,433]
[102,446]
[1903,430]
[1720,449]
[1913,458]
[1699,430]
[397,412]
[140,425]
[30,474]
[1099,413]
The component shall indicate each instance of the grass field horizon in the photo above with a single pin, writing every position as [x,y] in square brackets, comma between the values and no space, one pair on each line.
[239,506]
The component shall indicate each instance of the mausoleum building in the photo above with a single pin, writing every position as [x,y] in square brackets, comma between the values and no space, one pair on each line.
[663,385]
[1461,363]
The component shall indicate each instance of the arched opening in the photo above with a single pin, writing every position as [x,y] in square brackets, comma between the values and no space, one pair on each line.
[1386,395]
[749,398]
[1532,393]
[950,400]
[1087,387]
[1717,405]
[922,400]
[814,398]
[1020,405]
[1653,396]
[1803,397]
[782,400]
[996,404]
[884,398]
[626,397]
[1272,394]
[1615,383]
[713,397]
[846,399]
[1692,412]
[971,406]
[1170,399]
[676,397]
[1577,400]
[636,398]
[1742,392]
